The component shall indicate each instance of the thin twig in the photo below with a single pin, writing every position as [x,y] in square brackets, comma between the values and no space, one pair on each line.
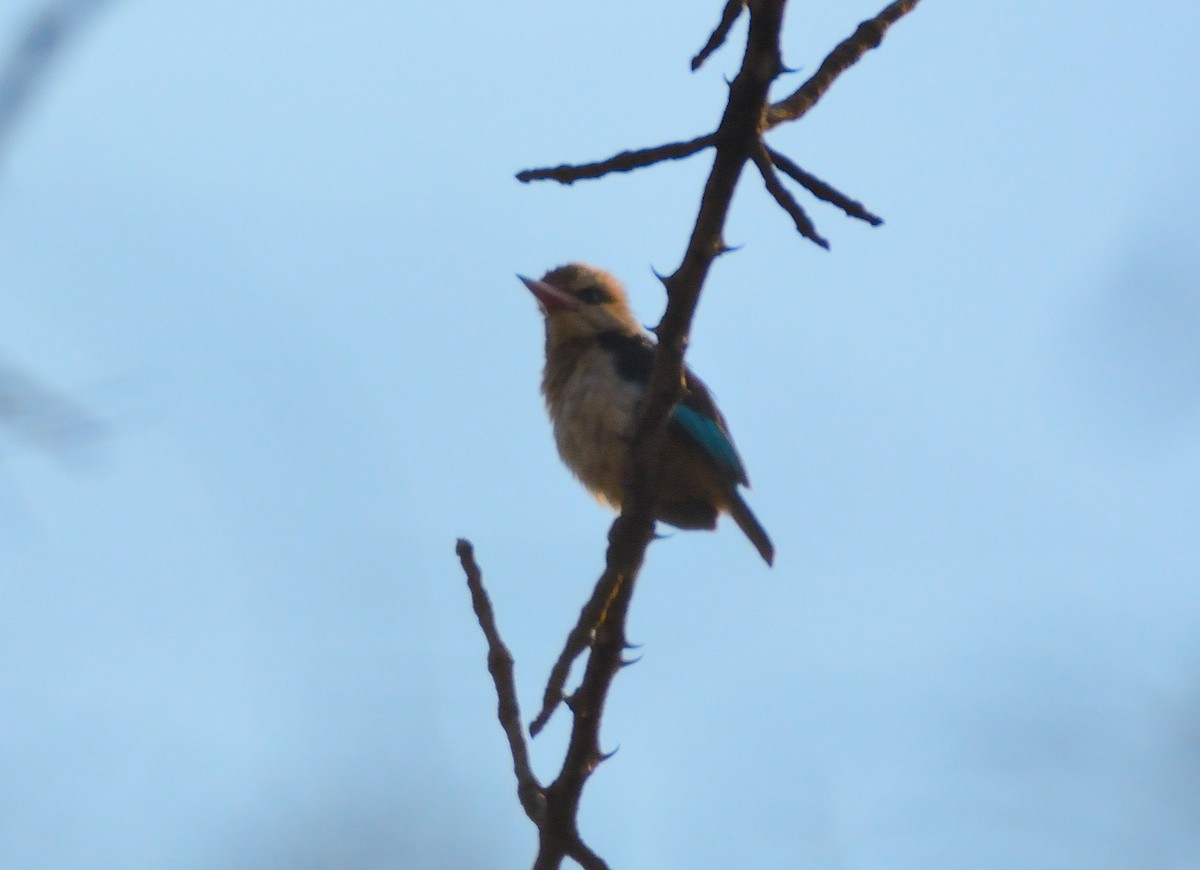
[626,161]
[784,197]
[500,666]
[730,14]
[822,190]
[577,642]
[868,36]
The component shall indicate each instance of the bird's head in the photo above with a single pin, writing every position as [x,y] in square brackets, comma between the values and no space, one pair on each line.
[580,302]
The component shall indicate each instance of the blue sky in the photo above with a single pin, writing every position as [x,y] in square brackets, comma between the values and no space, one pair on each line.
[270,248]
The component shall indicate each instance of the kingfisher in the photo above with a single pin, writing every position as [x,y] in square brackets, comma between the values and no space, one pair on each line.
[598,360]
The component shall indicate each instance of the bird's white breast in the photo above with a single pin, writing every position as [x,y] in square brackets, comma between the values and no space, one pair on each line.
[593,411]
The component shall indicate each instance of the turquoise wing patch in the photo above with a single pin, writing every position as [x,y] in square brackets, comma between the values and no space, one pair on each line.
[709,435]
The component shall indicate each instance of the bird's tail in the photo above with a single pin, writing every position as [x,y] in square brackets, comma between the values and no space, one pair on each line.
[750,526]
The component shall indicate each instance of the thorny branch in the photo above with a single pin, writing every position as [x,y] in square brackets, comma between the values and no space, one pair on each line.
[869,35]
[737,140]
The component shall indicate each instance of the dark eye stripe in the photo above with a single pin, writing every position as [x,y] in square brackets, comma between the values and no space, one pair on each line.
[593,295]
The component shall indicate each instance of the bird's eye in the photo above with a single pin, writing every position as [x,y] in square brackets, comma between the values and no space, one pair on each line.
[591,295]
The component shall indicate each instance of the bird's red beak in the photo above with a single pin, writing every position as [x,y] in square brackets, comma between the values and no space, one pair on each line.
[549,297]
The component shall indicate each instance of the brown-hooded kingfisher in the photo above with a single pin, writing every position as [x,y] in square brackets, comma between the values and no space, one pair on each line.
[598,361]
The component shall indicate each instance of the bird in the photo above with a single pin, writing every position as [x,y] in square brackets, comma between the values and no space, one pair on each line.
[598,360]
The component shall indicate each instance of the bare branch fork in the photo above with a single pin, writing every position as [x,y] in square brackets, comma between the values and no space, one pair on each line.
[791,108]
[737,140]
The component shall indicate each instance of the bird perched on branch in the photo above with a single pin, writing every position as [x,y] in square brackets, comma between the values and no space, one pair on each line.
[598,361]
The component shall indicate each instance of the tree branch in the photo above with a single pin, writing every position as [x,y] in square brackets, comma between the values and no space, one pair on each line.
[785,199]
[626,161]
[730,14]
[822,190]
[868,36]
[500,666]
[577,642]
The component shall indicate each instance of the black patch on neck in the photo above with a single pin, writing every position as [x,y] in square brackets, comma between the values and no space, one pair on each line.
[632,355]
